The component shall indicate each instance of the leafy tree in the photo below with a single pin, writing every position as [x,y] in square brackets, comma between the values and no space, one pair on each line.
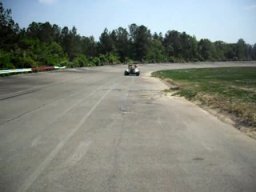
[106,42]
[122,43]
[241,49]
[88,46]
[45,32]
[173,44]
[70,42]
[249,52]
[221,50]
[206,50]
[159,37]
[8,29]
[156,52]
[254,52]
[189,47]
[140,39]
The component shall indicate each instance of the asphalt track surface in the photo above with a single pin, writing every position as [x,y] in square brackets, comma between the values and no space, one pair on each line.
[95,130]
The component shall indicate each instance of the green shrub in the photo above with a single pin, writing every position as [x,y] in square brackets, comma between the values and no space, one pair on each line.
[5,60]
[96,61]
[81,61]
[26,62]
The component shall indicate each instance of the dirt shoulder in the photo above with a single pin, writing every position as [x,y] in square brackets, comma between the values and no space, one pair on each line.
[218,112]
[231,99]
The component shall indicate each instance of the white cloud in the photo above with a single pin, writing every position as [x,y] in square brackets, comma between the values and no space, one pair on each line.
[48,2]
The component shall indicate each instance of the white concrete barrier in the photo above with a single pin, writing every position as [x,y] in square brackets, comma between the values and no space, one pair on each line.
[8,71]
[56,67]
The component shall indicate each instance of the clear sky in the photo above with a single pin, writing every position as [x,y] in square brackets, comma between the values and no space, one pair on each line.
[226,20]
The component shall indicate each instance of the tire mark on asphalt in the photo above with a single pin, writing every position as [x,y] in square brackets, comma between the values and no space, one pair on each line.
[19,93]
[67,110]
[32,90]
[32,178]
[39,108]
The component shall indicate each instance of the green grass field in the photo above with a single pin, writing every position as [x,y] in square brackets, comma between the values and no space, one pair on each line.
[232,90]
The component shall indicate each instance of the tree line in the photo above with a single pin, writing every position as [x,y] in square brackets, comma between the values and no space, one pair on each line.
[48,44]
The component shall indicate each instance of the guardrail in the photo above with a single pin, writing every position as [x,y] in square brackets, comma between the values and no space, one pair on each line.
[3,72]
[27,70]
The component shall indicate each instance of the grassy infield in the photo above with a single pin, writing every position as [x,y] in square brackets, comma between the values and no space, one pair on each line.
[230,90]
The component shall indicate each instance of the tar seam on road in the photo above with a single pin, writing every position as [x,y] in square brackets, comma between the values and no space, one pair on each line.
[123,106]
[124,109]
[32,178]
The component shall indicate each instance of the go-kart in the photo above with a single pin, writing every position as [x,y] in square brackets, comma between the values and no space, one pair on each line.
[132,70]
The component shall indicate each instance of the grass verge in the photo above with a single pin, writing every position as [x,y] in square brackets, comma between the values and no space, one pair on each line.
[229,90]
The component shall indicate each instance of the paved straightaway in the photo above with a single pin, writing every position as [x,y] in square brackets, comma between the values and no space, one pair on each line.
[97,130]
